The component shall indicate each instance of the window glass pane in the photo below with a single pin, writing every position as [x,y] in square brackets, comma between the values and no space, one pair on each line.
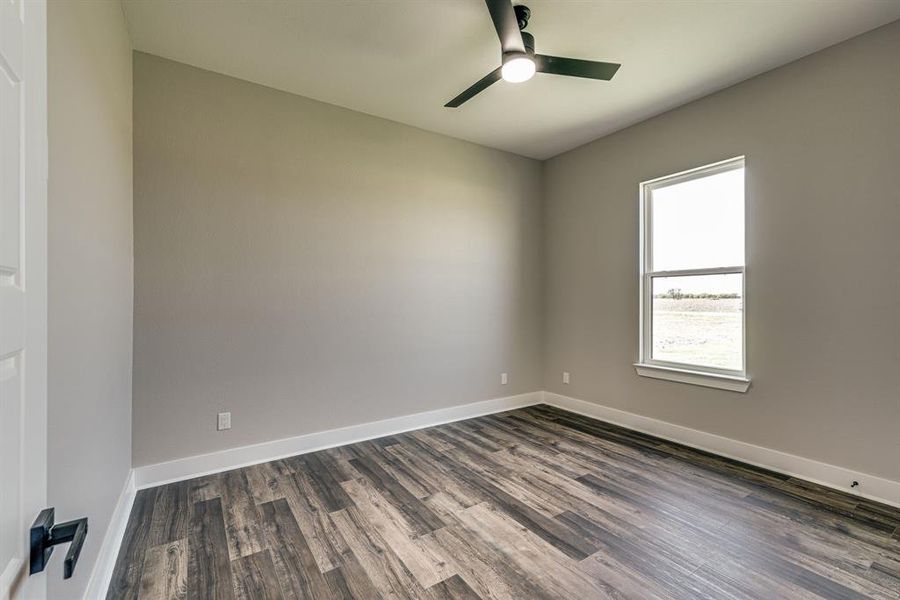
[698,223]
[698,320]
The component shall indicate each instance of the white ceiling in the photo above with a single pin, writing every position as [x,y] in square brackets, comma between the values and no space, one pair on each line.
[402,60]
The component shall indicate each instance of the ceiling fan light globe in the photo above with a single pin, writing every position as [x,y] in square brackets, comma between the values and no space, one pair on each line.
[517,69]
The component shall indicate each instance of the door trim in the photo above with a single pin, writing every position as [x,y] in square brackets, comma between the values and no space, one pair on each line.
[35,215]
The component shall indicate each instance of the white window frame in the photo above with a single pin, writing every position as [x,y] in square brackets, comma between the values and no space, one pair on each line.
[647,366]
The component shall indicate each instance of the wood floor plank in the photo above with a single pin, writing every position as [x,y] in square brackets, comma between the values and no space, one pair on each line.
[886,576]
[337,461]
[644,564]
[324,540]
[495,469]
[454,588]
[623,577]
[735,579]
[485,568]
[544,438]
[255,579]
[205,488]
[816,560]
[294,562]
[400,469]
[426,564]
[171,514]
[328,488]
[126,579]
[681,510]
[350,581]
[533,503]
[724,465]
[552,569]
[626,440]
[263,480]
[419,515]
[472,438]
[373,469]
[585,444]
[209,566]
[665,553]
[425,436]
[384,568]
[164,576]
[552,531]
[873,510]
[437,477]
[244,533]
[484,430]
[787,507]
[707,479]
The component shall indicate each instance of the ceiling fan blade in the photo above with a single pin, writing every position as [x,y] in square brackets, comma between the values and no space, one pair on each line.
[506,24]
[481,85]
[574,67]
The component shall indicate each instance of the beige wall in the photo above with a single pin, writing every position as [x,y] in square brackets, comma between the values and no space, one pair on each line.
[308,267]
[822,141]
[90,271]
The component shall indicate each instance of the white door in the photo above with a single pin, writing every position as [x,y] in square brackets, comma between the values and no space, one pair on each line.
[23,288]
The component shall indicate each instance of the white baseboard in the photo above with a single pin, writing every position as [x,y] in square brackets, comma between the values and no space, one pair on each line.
[839,478]
[112,540]
[233,458]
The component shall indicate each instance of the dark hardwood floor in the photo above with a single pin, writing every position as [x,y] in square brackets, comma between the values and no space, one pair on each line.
[533,503]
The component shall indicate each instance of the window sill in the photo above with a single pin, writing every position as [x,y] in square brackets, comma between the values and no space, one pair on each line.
[713,380]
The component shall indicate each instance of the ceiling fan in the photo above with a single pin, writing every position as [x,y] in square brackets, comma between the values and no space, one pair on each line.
[519,62]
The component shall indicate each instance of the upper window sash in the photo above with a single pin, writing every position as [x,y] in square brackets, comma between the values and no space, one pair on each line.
[677,218]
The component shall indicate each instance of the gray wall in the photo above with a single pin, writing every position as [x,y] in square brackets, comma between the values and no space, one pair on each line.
[90,270]
[822,140]
[308,267]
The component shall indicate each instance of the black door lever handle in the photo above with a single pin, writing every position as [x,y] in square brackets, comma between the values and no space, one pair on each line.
[45,535]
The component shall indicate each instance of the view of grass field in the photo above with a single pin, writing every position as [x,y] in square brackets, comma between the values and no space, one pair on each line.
[698,331]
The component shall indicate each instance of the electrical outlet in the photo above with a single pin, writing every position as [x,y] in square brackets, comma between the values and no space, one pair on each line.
[224,421]
[504,378]
[566,377]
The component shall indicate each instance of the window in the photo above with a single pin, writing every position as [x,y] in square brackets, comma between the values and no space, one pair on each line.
[692,277]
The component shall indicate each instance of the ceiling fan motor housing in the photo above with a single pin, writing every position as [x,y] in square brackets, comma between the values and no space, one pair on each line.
[528,41]
[523,13]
